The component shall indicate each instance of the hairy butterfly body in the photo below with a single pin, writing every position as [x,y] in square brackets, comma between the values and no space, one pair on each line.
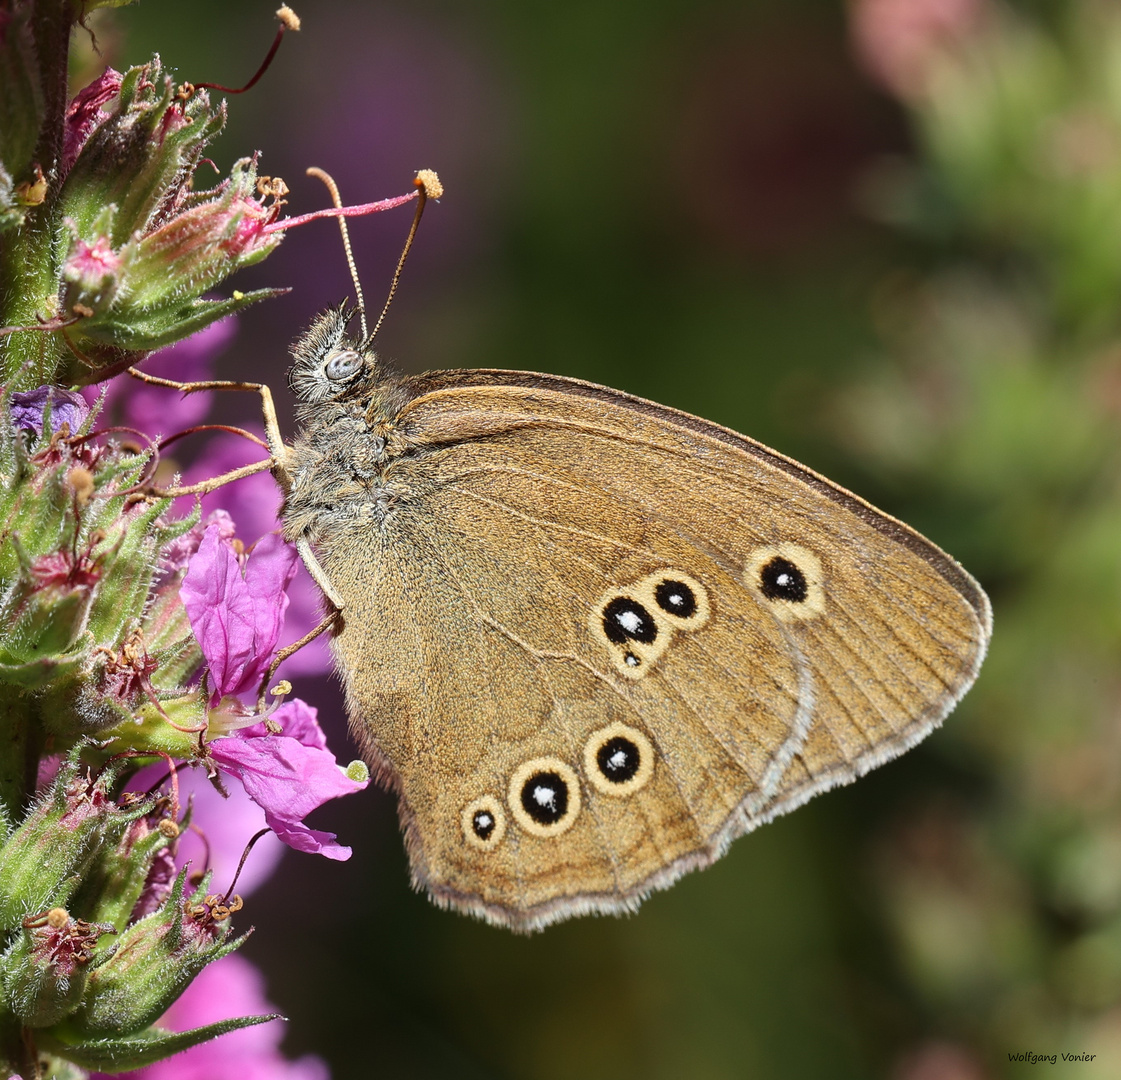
[589,640]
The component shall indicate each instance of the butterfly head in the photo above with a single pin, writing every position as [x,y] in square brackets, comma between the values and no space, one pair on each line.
[331,364]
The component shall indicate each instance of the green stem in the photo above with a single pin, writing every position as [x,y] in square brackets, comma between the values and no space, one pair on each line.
[21,743]
[28,259]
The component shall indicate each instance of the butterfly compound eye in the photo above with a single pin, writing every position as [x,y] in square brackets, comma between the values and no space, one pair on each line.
[342,365]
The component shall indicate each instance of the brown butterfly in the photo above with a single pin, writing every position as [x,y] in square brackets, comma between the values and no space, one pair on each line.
[589,640]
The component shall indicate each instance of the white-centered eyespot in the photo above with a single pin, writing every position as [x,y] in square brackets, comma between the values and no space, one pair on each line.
[618,760]
[788,578]
[638,622]
[544,796]
[342,365]
[678,598]
[484,823]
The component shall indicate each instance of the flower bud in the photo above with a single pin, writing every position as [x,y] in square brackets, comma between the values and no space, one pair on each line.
[154,961]
[92,271]
[139,867]
[73,825]
[44,974]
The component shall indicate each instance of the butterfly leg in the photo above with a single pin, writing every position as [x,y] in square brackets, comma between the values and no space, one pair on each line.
[289,650]
[277,461]
[319,574]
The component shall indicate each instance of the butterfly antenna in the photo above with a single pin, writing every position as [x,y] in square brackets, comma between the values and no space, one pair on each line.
[333,188]
[424,181]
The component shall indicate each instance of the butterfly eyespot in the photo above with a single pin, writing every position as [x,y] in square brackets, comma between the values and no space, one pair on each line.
[780,579]
[675,598]
[618,760]
[679,601]
[544,796]
[484,823]
[625,619]
[639,621]
[342,365]
[789,577]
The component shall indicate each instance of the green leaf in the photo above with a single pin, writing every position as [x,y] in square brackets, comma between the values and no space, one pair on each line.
[114,1054]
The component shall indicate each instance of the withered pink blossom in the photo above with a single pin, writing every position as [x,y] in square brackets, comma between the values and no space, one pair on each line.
[85,112]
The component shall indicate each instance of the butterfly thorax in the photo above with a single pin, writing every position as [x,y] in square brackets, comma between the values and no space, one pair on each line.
[339,466]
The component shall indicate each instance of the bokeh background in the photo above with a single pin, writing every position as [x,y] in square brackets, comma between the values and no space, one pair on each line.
[883,237]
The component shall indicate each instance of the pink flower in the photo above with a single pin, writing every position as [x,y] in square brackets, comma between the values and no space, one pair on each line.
[237,615]
[178,553]
[91,264]
[900,41]
[237,618]
[288,775]
[228,987]
[257,499]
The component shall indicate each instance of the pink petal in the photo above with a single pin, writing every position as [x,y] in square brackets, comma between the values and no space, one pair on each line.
[237,619]
[178,553]
[288,778]
[301,722]
[84,113]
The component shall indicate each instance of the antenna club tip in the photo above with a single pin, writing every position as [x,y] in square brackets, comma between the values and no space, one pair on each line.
[288,18]
[428,180]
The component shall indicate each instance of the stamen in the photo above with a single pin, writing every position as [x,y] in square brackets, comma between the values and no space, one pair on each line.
[289,20]
[237,873]
[342,211]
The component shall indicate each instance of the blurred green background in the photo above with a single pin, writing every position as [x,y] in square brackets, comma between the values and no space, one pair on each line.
[882,237]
